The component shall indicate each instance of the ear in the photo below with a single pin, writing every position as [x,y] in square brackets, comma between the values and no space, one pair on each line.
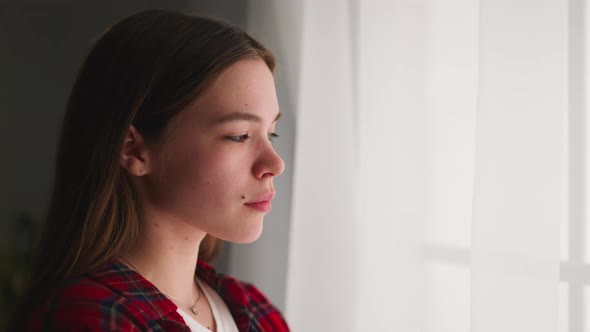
[135,154]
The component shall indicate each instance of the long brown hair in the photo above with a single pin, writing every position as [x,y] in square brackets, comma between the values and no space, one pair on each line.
[143,71]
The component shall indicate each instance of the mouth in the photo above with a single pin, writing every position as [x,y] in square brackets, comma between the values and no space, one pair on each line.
[262,203]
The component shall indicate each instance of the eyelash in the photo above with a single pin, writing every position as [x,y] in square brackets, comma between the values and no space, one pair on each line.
[243,138]
[272,135]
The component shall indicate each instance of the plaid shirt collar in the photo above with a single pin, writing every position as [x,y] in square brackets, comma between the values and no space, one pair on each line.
[248,306]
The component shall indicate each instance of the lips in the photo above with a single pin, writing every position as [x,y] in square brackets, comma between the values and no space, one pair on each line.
[262,203]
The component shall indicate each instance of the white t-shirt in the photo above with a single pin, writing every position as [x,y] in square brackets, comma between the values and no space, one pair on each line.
[223,318]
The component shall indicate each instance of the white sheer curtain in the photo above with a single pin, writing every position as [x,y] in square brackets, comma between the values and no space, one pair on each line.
[520,196]
[431,180]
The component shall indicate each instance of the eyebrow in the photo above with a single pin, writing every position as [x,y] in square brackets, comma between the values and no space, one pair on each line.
[242,116]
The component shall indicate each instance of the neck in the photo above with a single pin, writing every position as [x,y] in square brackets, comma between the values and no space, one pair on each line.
[166,254]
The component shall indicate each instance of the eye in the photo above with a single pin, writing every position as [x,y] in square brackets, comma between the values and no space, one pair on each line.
[238,139]
[272,135]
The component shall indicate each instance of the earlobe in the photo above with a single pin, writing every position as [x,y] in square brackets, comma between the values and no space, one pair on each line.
[135,154]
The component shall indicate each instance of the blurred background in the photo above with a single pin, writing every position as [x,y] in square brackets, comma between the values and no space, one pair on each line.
[436,156]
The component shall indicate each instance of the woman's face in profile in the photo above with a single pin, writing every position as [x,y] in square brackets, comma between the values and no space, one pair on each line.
[216,170]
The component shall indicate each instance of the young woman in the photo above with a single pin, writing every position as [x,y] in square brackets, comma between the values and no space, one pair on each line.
[165,148]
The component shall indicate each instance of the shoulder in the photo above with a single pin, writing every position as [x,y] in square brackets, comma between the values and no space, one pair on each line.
[266,316]
[250,307]
[112,299]
[84,304]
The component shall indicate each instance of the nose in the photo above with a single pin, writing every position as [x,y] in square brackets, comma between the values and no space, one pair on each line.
[269,163]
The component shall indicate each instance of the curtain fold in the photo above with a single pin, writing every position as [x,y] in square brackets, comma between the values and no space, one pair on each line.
[520,183]
[321,294]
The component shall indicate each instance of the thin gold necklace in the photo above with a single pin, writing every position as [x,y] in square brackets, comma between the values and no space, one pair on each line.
[194,309]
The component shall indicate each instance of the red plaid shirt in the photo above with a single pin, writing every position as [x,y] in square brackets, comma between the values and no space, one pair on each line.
[119,299]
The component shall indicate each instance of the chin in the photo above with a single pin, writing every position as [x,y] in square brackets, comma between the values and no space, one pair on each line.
[246,235]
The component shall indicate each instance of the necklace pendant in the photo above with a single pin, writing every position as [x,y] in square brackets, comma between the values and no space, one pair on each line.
[195,311]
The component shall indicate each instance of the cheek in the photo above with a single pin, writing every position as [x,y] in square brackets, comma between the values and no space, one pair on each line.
[205,179]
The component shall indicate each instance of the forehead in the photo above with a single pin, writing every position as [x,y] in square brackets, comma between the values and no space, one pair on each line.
[246,86]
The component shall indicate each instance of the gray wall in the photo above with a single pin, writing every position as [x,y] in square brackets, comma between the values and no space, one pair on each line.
[43,46]
[277,24]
